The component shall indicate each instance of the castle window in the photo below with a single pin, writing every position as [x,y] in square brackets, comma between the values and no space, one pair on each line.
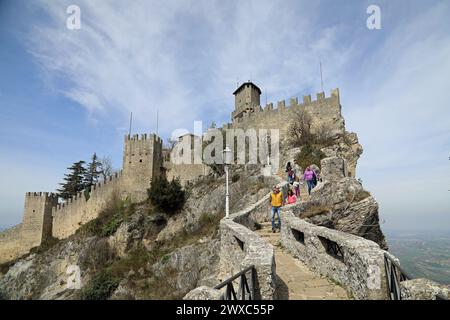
[34,210]
[129,162]
[140,160]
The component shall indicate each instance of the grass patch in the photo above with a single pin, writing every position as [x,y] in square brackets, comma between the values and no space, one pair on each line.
[110,218]
[165,288]
[47,244]
[100,287]
[136,259]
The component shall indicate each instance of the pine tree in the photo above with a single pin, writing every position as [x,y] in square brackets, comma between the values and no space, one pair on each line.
[74,181]
[93,171]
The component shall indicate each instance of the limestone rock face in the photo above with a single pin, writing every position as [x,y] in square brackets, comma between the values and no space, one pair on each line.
[208,197]
[175,274]
[194,265]
[343,204]
[423,289]
[128,232]
[203,293]
[45,276]
[348,148]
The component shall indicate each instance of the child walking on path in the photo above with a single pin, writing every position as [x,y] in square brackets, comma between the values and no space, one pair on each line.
[291,198]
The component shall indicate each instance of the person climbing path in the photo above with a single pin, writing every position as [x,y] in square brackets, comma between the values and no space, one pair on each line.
[276,202]
[310,178]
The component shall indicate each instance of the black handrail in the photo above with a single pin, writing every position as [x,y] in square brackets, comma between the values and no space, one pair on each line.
[244,288]
[395,274]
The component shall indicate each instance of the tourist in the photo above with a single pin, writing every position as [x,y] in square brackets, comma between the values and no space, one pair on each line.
[276,201]
[290,173]
[296,185]
[310,177]
[291,198]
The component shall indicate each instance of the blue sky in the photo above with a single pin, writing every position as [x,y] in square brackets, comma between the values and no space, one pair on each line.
[65,94]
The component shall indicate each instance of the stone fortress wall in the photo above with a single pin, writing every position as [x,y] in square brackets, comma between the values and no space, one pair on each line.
[44,217]
[69,216]
[324,111]
[10,246]
[184,168]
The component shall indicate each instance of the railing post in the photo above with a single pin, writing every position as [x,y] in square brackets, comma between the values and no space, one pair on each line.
[253,283]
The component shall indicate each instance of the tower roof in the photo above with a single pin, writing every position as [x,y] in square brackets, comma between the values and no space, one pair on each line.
[245,83]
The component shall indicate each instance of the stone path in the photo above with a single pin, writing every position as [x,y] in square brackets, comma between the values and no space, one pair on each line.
[295,281]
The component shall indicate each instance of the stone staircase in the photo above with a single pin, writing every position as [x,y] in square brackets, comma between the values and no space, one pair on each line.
[294,280]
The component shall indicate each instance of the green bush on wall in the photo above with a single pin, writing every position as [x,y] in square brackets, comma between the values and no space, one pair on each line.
[309,154]
[167,196]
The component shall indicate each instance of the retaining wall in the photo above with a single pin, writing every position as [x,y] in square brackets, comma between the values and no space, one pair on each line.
[358,266]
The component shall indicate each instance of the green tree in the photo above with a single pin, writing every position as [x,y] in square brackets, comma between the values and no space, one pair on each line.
[93,172]
[74,181]
[165,195]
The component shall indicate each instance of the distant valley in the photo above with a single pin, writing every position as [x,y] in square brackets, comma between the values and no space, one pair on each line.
[423,254]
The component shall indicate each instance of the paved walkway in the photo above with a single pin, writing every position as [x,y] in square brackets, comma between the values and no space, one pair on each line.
[295,281]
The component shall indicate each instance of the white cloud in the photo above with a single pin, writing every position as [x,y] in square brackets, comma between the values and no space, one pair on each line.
[399,108]
[181,58]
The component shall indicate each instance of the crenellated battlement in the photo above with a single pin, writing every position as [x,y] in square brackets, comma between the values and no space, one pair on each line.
[96,190]
[41,195]
[143,137]
[324,110]
[284,106]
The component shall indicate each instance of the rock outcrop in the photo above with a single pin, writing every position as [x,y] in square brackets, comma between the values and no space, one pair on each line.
[341,203]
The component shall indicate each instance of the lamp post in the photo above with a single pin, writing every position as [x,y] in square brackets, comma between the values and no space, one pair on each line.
[227,161]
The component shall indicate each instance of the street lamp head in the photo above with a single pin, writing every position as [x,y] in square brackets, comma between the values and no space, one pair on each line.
[227,156]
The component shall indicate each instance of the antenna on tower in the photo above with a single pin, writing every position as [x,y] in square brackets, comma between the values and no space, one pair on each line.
[157,120]
[321,78]
[131,121]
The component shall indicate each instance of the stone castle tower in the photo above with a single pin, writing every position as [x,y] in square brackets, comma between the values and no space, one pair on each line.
[37,217]
[142,162]
[246,100]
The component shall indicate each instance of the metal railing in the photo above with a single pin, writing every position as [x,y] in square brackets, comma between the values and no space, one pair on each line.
[245,291]
[395,274]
